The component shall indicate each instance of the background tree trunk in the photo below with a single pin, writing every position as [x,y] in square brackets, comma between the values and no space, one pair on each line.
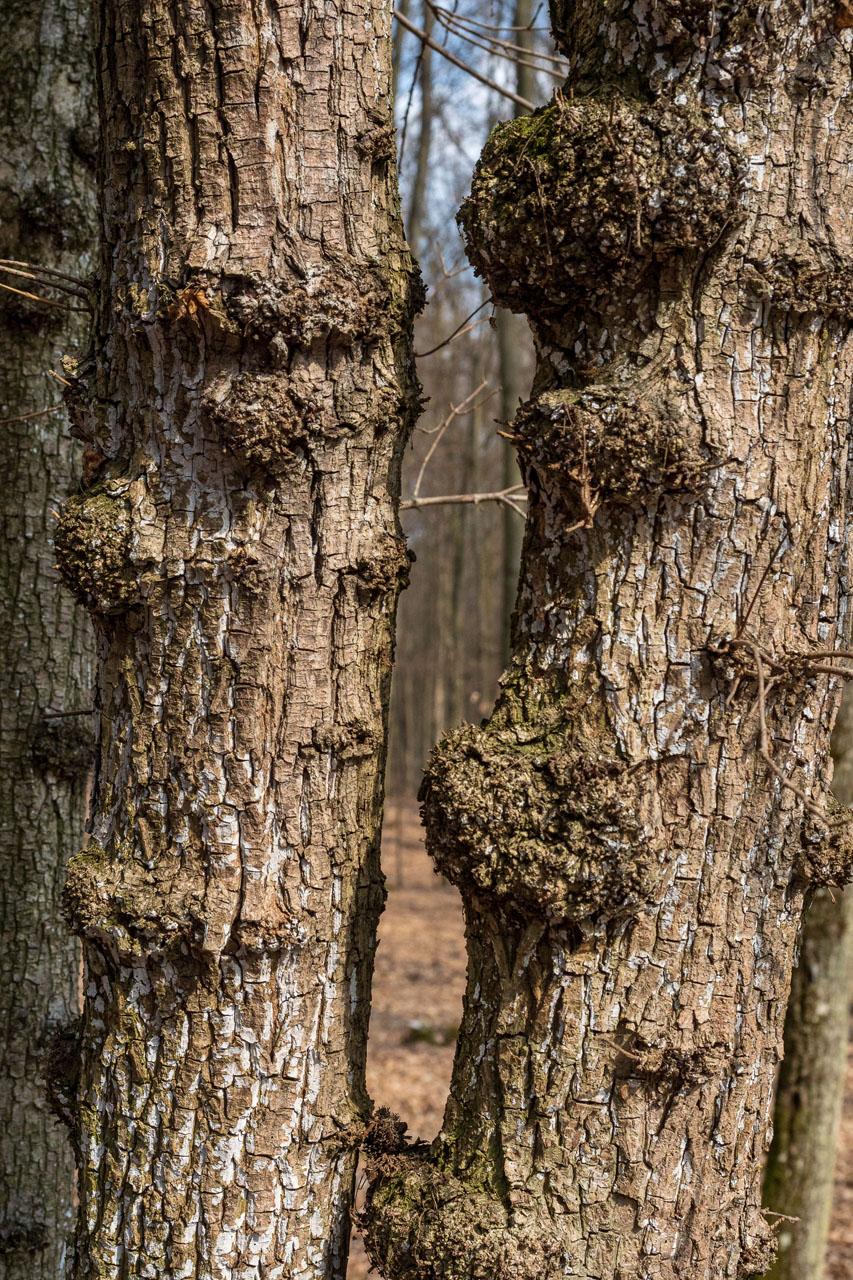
[47,216]
[417,203]
[800,1171]
[513,336]
[250,392]
[631,863]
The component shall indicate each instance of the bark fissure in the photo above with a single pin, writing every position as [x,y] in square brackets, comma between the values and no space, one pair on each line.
[249,391]
[631,836]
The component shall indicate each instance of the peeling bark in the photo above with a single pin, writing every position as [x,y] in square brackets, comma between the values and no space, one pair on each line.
[676,226]
[249,393]
[47,216]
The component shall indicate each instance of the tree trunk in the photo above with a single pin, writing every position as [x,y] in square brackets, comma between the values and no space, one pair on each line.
[513,337]
[800,1171]
[417,204]
[47,216]
[632,862]
[250,391]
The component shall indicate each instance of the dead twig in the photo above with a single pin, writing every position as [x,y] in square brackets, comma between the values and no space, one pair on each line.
[457,62]
[460,328]
[509,497]
[25,417]
[455,412]
[764,749]
[45,277]
[35,297]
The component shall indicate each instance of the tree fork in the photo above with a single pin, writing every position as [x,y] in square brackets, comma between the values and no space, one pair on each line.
[246,402]
[633,830]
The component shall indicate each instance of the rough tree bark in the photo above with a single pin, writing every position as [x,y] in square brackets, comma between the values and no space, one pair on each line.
[676,225]
[47,216]
[800,1174]
[249,393]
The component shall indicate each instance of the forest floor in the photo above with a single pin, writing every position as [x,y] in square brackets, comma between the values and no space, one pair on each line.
[417,1004]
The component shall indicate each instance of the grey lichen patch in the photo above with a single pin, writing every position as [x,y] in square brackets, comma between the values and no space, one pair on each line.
[543,822]
[93,548]
[64,746]
[611,445]
[422,1223]
[581,196]
[825,856]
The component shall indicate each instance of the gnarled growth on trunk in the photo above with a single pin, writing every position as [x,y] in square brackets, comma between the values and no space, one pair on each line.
[247,398]
[634,828]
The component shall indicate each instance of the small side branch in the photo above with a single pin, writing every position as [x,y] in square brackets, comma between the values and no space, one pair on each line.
[509,497]
[457,62]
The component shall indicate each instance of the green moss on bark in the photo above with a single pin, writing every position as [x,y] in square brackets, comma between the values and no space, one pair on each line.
[578,198]
[536,816]
[422,1223]
[93,549]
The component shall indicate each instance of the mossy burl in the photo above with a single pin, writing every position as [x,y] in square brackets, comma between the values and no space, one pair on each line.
[825,856]
[93,540]
[621,445]
[421,1222]
[117,896]
[583,195]
[537,818]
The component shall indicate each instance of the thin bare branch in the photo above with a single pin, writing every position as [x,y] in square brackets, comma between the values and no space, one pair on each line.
[76,291]
[501,48]
[508,497]
[764,749]
[44,271]
[34,297]
[455,412]
[463,66]
[421,355]
[488,26]
[25,417]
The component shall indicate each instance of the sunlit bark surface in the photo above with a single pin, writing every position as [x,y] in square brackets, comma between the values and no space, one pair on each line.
[249,393]
[676,224]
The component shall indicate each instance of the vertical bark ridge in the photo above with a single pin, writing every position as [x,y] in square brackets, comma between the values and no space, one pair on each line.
[249,390]
[47,217]
[675,224]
